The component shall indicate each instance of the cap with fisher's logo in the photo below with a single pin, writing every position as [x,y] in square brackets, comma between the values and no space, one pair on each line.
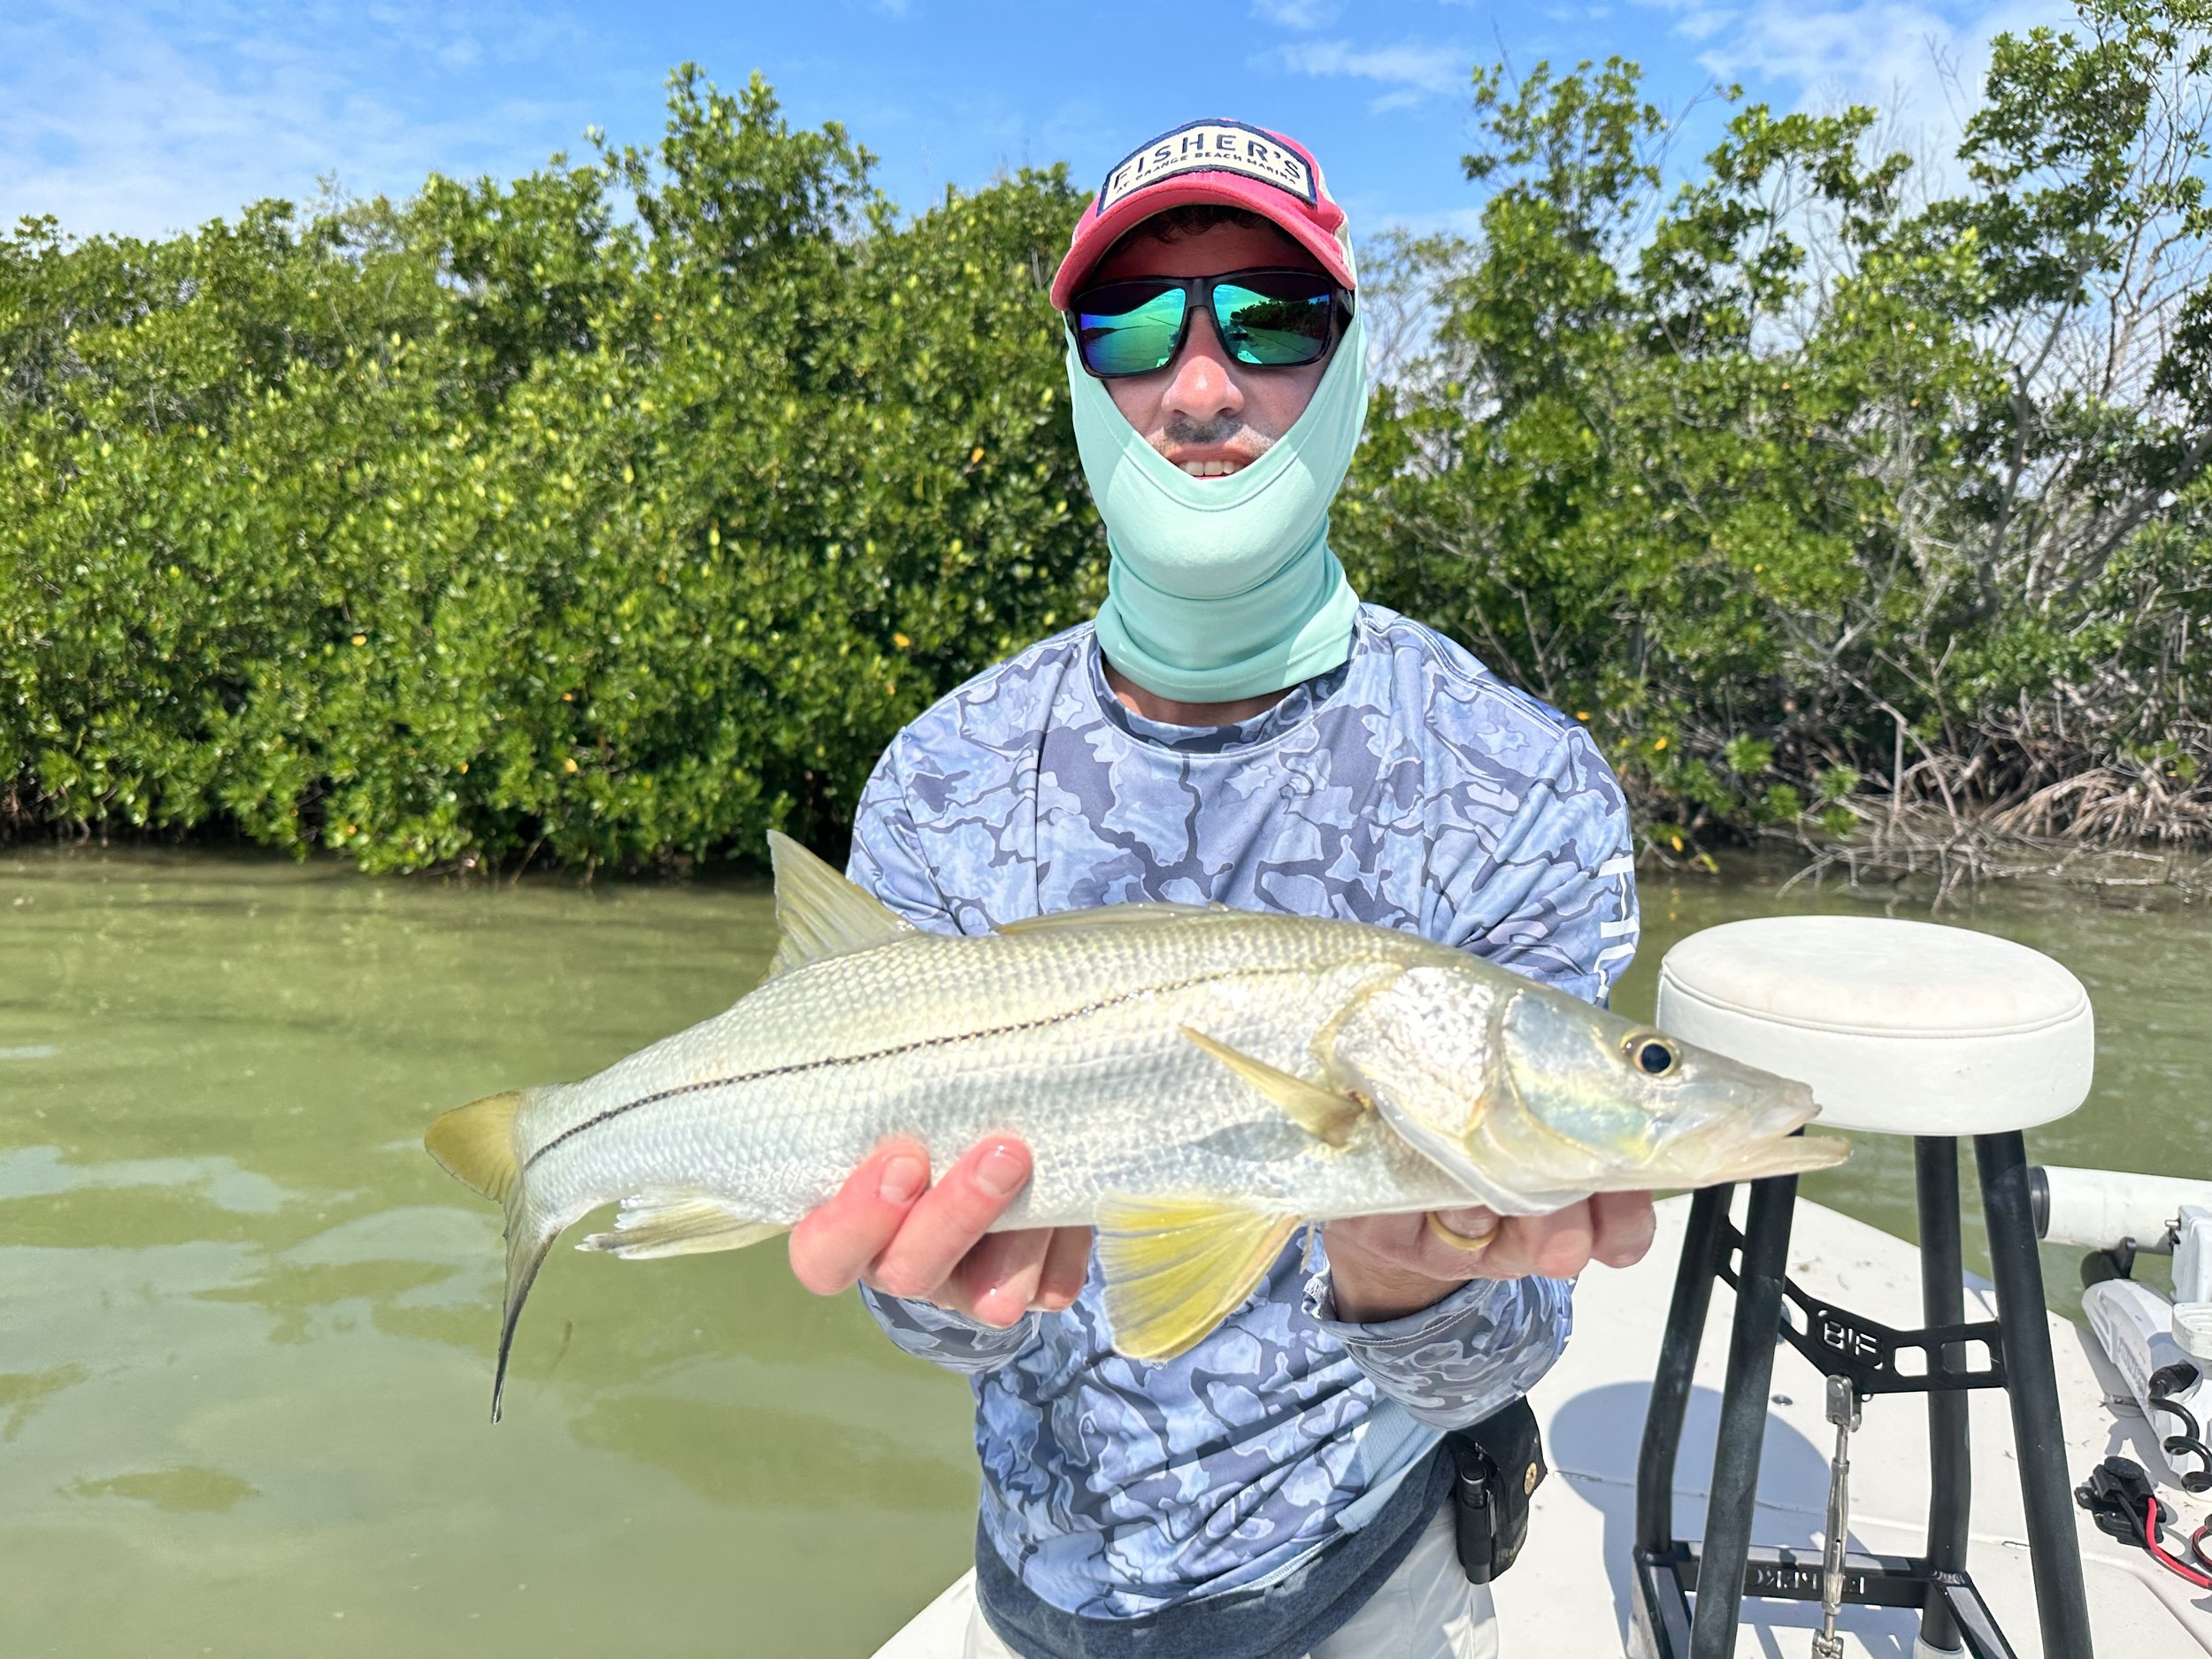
[1224,162]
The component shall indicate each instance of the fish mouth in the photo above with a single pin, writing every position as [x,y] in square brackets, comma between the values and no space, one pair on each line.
[1748,1145]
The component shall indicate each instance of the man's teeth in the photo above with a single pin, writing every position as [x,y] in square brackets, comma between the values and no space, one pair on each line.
[1212,469]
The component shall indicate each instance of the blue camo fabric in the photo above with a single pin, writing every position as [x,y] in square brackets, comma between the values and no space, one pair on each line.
[1409,788]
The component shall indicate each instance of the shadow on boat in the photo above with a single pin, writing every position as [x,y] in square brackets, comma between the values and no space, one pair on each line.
[1593,1443]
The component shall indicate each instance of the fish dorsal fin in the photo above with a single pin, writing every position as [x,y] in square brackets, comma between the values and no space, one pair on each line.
[1154,911]
[1325,1114]
[819,913]
[1177,1267]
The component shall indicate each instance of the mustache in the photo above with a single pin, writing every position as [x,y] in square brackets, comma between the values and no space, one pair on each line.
[1222,429]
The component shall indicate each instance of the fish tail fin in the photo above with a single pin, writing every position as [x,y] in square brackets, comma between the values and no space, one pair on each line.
[476,1144]
[526,1250]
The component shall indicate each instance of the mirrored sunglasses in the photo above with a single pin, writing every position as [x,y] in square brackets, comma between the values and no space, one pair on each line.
[1266,318]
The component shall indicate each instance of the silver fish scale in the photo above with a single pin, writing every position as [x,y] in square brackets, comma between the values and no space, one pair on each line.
[1068,1036]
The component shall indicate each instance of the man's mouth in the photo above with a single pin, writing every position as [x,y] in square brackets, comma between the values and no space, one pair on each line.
[1211,469]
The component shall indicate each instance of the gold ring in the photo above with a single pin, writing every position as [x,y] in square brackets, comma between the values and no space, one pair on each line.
[1460,1240]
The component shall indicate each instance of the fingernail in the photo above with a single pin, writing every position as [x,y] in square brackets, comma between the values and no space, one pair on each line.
[903,1177]
[1001,1171]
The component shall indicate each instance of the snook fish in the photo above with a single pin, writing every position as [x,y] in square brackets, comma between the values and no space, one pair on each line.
[1195,1082]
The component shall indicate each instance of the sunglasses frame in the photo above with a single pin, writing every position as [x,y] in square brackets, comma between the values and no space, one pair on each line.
[1198,293]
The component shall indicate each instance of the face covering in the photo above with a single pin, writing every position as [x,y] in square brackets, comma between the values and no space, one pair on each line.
[1226,588]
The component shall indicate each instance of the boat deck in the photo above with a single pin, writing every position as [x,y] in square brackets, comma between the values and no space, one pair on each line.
[1592,1407]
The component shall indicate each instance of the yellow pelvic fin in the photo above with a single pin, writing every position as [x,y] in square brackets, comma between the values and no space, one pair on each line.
[1177,1267]
[819,913]
[476,1144]
[1110,915]
[1326,1114]
[650,1228]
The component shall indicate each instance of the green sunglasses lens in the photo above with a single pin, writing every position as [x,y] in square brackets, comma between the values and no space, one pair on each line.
[1266,318]
[1274,321]
[1128,327]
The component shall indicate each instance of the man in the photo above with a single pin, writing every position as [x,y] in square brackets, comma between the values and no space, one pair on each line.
[1234,727]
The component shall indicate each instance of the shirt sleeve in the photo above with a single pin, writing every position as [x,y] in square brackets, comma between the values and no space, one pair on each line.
[1553,895]
[945,1338]
[887,860]
[886,856]
[1472,1354]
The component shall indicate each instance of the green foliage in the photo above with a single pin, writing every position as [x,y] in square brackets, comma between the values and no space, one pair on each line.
[493,526]
[1780,478]
[617,513]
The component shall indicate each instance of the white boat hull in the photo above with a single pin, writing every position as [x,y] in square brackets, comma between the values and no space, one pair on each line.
[1592,1409]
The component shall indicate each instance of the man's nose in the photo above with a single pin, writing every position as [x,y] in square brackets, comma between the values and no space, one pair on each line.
[1203,386]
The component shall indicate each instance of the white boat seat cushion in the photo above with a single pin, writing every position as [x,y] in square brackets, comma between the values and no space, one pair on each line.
[1904,1028]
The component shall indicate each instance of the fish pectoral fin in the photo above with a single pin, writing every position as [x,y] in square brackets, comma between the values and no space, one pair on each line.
[650,1228]
[819,913]
[1326,1114]
[1177,1267]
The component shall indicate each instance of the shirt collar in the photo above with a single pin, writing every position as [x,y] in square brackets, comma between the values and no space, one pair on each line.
[1299,704]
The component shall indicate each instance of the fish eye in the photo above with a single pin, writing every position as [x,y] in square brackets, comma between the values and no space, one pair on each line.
[1654,1056]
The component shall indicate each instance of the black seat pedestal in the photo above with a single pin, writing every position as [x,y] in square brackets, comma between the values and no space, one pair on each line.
[2016,1346]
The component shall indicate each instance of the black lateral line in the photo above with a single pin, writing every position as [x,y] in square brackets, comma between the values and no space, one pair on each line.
[801,1066]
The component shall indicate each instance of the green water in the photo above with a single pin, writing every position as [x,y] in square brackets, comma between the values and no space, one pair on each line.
[245,1324]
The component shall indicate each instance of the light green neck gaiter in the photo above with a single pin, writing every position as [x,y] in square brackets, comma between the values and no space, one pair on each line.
[1225,588]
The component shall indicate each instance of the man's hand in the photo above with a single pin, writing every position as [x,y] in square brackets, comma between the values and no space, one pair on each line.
[888,1226]
[1383,1267]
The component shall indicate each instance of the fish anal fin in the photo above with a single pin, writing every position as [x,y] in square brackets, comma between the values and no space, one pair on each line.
[1175,1267]
[1153,910]
[819,913]
[647,1229]
[1326,1114]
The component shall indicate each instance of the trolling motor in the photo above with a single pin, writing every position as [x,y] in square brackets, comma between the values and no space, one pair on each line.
[2161,1349]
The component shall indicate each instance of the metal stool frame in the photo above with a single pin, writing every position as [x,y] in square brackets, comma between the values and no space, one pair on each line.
[1770,1310]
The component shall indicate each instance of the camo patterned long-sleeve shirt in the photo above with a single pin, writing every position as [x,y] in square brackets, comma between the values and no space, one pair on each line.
[1409,788]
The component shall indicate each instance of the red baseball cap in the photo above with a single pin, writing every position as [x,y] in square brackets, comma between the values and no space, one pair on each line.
[1228,163]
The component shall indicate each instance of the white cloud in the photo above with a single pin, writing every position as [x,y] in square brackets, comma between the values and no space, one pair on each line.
[1298,14]
[1407,69]
[155,123]
[1919,62]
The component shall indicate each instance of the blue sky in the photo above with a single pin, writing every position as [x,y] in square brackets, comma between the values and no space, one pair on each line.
[142,117]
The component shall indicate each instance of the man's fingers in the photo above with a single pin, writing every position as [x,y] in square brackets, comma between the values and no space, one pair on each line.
[1067,1264]
[1556,1245]
[949,1219]
[833,1243]
[997,1281]
[1453,1243]
[1624,1225]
